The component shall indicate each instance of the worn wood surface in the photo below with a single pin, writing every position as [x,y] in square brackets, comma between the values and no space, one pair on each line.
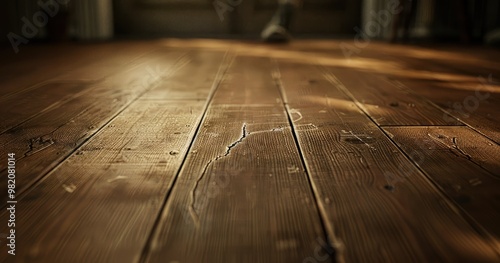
[110,190]
[354,168]
[235,151]
[116,169]
[474,104]
[463,86]
[233,201]
[44,141]
[33,68]
[386,103]
[462,163]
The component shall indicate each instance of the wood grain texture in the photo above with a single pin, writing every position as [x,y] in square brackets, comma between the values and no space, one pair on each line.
[464,60]
[72,79]
[120,157]
[473,104]
[115,184]
[353,166]
[386,103]
[190,83]
[462,163]
[29,69]
[454,83]
[42,142]
[233,200]
[101,204]
[454,80]
[25,105]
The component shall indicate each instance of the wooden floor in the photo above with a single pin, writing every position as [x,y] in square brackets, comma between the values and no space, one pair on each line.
[186,151]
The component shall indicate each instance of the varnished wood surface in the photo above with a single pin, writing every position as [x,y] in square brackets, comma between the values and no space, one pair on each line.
[253,206]
[44,141]
[461,162]
[358,171]
[228,151]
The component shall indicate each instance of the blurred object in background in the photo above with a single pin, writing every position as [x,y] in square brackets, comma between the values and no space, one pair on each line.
[277,30]
[403,20]
[231,18]
[58,20]
[493,38]
[473,21]
[443,21]
[93,19]
[57,25]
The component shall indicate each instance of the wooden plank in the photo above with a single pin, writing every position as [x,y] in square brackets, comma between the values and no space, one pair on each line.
[465,61]
[34,70]
[32,101]
[242,194]
[116,183]
[101,204]
[189,84]
[23,104]
[20,107]
[42,142]
[469,95]
[352,165]
[476,105]
[47,62]
[471,176]
[387,104]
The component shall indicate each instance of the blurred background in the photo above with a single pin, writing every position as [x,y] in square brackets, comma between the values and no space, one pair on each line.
[470,21]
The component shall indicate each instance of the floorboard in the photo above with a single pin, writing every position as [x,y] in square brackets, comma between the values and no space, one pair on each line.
[353,167]
[123,173]
[471,174]
[39,100]
[198,150]
[387,104]
[44,141]
[467,93]
[233,201]
[476,106]
[34,70]
[110,190]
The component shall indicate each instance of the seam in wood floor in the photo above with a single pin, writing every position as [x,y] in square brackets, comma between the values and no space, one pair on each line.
[406,88]
[225,65]
[419,126]
[472,222]
[54,80]
[332,247]
[461,211]
[43,175]
[57,103]
[37,85]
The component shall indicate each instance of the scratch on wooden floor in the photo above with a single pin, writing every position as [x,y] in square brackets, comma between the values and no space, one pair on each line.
[286,244]
[69,188]
[307,127]
[361,140]
[475,182]
[293,169]
[119,177]
[455,146]
[295,111]
[192,210]
[438,138]
[451,148]
[38,144]
[266,131]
